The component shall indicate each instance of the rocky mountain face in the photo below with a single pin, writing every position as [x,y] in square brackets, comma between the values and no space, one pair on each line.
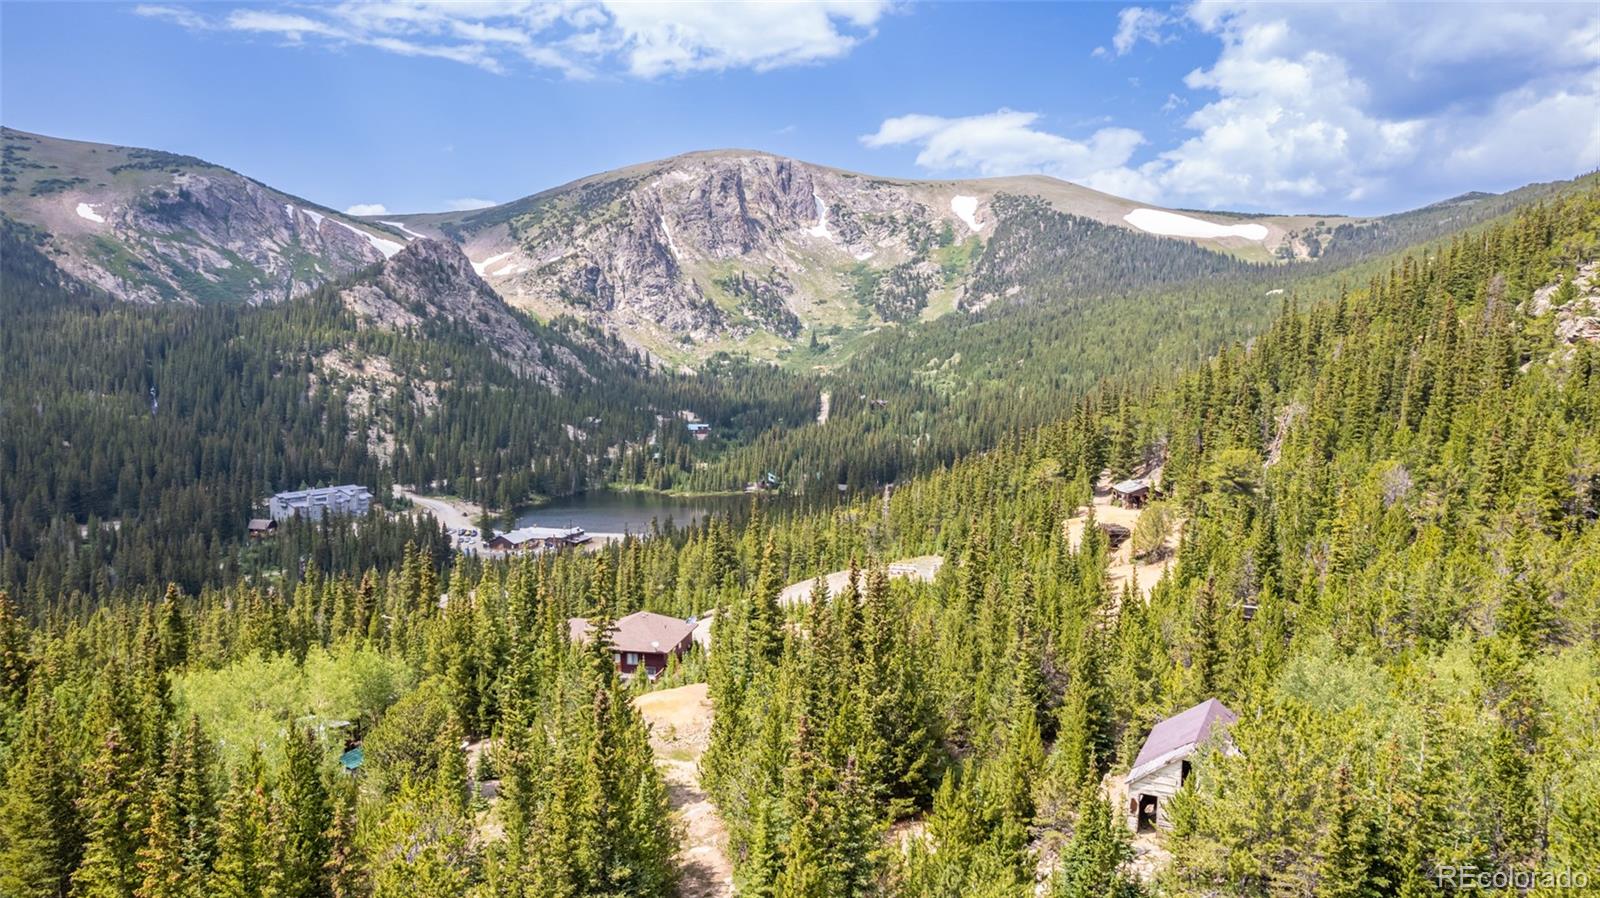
[149,226]
[431,284]
[723,250]
[714,247]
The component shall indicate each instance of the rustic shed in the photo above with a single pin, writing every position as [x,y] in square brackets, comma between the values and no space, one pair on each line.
[1163,762]
[1130,493]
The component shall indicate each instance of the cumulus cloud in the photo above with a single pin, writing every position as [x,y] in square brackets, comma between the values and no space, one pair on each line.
[1341,103]
[367,209]
[580,39]
[467,204]
[1007,142]
[1325,107]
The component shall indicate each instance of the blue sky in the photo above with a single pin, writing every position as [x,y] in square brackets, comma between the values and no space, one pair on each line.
[419,105]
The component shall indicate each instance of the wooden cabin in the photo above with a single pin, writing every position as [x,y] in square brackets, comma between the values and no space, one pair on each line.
[1163,764]
[642,641]
[262,527]
[1130,493]
[698,429]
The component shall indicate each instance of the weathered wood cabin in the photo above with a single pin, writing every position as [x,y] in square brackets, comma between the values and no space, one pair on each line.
[1130,493]
[262,527]
[1163,763]
[641,642]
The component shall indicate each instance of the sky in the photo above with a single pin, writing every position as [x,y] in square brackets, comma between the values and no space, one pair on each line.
[424,105]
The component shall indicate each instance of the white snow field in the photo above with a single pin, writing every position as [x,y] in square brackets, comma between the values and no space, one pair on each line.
[1171,224]
[387,247]
[403,228]
[86,210]
[486,264]
[966,209]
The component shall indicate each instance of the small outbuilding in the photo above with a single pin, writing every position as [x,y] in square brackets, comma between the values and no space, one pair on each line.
[352,759]
[1116,534]
[1163,763]
[262,527]
[1130,493]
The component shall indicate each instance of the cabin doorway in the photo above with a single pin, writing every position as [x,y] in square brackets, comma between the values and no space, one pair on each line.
[1147,813]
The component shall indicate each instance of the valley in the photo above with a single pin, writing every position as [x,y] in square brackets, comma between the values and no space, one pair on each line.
[976,487]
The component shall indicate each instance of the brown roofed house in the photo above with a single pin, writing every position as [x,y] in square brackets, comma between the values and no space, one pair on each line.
[260,527]
[643,640]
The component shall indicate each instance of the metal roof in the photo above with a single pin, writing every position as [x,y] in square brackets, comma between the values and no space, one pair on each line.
[1179,735]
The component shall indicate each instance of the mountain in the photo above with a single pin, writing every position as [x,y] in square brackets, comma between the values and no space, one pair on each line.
[737,248]
[686,256]
[149,226]
[431,284]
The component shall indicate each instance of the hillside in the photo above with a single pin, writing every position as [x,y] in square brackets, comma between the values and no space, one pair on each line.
[152,226]
[1376,541]
[685,257]
[737,249]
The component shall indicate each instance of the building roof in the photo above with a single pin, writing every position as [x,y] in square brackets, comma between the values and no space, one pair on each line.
[524,534]
[641,631]
[1178,736]
[349,489]
[1131,486]
[353,758]
[262,523]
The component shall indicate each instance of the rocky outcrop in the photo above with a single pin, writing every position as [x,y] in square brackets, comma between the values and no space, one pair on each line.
[432,284]
[1574,303]
[668,246]
[148,226]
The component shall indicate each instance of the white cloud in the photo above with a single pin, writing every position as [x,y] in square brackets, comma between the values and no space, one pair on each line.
[686,36]
[580,39]
[1325,107]
[1006,142]
[367,209]
[175,14]
[1324,103]
[1135,24]
[467,204]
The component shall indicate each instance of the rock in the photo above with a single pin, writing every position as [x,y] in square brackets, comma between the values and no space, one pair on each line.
[431,282]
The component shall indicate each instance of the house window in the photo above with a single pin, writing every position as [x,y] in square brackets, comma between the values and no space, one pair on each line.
[630,659]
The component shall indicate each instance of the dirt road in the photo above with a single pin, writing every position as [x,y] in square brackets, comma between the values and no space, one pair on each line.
[680,726]
[457,514]
[922,567]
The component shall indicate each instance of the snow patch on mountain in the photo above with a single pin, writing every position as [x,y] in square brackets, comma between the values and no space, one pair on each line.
[966,209]
[86,210]
[1171,224]
[403,229]
[481,267]
[387,247]
[820,229]
[672,245]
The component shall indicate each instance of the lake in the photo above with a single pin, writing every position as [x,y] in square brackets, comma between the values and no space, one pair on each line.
[605,511]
